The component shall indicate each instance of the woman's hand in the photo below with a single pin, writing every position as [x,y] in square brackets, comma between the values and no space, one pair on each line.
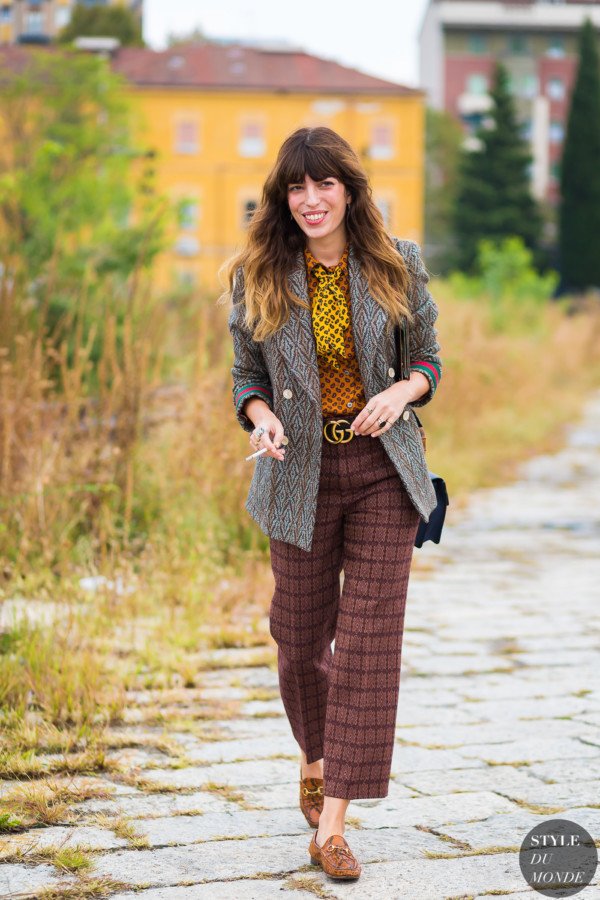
[271,436]
[386,406]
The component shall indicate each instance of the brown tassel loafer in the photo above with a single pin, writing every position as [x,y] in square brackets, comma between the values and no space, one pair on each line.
[335,858]
[311,799]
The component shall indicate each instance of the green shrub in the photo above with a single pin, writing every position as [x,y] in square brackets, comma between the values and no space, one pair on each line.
[516,293]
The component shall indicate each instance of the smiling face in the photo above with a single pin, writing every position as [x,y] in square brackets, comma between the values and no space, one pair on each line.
[319,208]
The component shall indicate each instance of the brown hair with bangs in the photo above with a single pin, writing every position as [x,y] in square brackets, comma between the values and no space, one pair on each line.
[274,238]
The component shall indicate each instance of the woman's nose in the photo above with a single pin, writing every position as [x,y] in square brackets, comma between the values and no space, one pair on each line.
[312,196]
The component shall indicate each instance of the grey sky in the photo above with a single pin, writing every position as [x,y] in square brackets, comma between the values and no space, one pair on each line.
[381,38]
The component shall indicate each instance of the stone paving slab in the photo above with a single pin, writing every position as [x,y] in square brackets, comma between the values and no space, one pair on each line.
[244,748]
[567,770]
[237,774]
[181,830]
[435,811]
[531,749]
[419,759]
[141,805]
[510,830]
[221,890]
[63,836]
[16,878]
[491,733]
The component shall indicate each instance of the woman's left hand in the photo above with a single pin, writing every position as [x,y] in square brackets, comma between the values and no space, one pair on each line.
[386,406]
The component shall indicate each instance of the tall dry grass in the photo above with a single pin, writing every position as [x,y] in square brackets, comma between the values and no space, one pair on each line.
[131,467]
[514,376]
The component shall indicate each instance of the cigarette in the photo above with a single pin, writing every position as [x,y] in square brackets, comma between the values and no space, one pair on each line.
[258,453]
[284,442]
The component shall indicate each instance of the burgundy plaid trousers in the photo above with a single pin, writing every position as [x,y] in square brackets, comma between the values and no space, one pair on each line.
[342,705]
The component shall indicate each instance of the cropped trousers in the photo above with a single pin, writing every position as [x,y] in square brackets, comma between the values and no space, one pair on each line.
[342,705]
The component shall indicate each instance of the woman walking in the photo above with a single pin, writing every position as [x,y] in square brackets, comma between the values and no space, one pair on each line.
[341,481]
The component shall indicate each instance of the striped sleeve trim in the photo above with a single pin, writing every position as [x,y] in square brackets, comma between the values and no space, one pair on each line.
[256,389]
[430,369]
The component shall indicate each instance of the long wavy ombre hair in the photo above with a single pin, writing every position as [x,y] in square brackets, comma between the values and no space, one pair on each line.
[274,238]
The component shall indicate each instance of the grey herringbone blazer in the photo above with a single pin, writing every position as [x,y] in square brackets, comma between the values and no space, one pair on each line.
[283,371]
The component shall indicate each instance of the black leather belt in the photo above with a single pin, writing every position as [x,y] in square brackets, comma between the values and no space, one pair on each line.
[338,431]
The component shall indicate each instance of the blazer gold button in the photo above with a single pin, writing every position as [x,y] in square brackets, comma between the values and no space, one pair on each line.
[391,372]
[406,415]
[287,394]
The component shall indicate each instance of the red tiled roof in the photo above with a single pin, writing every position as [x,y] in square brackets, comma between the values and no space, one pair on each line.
[218,66]
[223,66]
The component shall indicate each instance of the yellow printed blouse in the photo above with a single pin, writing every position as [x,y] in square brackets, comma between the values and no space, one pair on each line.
[329,291]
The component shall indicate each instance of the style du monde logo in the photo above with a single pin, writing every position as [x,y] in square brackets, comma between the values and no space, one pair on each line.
[558,858]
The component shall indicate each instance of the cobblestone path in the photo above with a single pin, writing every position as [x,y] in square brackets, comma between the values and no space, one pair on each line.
[498,728]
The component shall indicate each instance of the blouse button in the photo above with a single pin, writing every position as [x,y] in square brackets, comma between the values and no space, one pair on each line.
[391,372]
[349,403]
[346,371]
[406,415]
[287,394]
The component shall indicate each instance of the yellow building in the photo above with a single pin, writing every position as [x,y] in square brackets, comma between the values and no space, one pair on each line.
[215,115]
[38,21]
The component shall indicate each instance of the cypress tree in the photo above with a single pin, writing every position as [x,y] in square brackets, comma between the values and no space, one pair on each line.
[579,218]
[493,198]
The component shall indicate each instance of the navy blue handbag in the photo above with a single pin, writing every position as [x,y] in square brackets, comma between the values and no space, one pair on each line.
[432,530]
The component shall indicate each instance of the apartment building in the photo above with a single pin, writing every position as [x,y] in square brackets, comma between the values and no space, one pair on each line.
[39,21]
[211,117]
[216,114]
[460,42]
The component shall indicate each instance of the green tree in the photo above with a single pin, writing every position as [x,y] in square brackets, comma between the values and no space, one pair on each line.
[493,197]
[103,21]
[443,139]
[579,214]
[78,214]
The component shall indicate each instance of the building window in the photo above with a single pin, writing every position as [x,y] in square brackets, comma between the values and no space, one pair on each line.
[526,130]
[382,142]
[557,132]
[517,44]
[186,136]
[556,89]
[187,245]
[524,85]
[556,46]
[384,206]
[248,211]
[555,171]
[34,23]
[530,86]
[477,84]
[189,215]
[477,43]
[5,14]
[62,16]
[252,139]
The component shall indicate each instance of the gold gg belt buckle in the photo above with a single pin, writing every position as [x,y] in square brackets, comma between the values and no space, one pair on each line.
[336,434]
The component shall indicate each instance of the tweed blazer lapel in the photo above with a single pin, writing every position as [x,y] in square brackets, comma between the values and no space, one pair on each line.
[295,341]
[368,324]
